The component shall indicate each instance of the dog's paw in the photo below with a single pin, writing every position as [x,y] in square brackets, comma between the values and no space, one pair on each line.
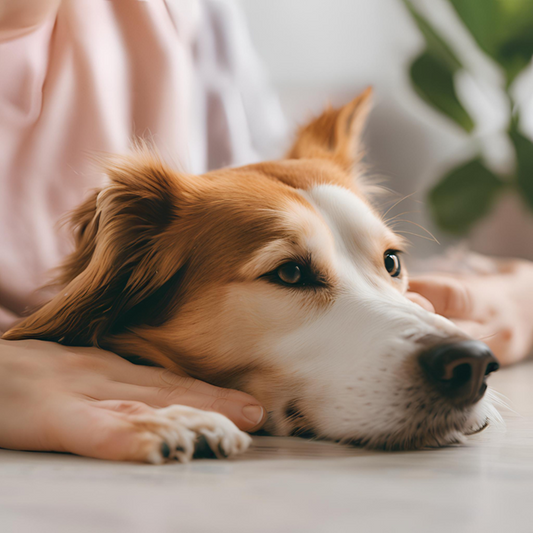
[187,432]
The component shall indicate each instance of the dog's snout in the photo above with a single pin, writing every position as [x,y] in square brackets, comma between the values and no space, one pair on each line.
[458,370]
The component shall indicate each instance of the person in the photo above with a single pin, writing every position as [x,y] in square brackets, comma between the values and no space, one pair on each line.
[87,76]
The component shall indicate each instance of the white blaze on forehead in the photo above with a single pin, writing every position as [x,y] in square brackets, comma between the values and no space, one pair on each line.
[305,233]
[355,226]
[351,363]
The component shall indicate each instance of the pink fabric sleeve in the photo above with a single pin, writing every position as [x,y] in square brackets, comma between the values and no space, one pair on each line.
[86,80]
[18,17]
[86,77]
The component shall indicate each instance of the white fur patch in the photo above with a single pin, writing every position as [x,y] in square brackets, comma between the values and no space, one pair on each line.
[352,364]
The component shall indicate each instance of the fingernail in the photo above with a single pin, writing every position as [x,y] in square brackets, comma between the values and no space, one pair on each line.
[253,413]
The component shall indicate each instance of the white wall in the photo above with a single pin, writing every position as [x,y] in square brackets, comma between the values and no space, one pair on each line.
[327,50]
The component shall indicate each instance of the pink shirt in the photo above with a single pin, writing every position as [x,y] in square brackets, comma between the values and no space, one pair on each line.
[86,76]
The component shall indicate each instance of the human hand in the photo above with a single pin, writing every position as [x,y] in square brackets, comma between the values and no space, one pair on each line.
[82,400]
[495,307]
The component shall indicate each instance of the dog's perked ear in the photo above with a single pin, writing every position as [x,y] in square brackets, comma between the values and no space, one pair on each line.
[335,134]
[128,259]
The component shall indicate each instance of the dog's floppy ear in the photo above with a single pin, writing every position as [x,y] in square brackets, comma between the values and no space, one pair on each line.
[127,260]
[335,134]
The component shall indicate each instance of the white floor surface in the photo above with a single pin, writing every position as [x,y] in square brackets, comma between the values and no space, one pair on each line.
[289,485]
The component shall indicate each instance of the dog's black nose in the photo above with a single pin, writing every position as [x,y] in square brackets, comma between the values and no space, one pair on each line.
[458,370]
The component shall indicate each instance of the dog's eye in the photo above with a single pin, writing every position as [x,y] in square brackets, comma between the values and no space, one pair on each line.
[296,274]
[290,273]
[392,263]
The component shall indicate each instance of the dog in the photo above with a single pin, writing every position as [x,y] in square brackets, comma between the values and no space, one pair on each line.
[279,279]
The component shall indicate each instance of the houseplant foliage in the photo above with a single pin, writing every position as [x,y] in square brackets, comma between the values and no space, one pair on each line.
[503,30]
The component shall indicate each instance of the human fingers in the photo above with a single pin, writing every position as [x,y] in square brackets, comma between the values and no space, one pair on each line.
[420,300]
[500,338]
[109,376]
[451,297]
[242,409]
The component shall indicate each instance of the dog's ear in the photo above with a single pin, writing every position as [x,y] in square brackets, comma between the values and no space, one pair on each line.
[335,134]
[128,257]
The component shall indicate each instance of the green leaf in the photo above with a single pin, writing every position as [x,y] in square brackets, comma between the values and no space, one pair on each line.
[434,42]
[524,163]
[433,71]
[433,81]
[502,28]
[463,196]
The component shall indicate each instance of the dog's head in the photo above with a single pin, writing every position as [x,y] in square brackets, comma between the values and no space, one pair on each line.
[279,279]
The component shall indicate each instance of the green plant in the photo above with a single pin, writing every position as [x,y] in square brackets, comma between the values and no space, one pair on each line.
[503,30]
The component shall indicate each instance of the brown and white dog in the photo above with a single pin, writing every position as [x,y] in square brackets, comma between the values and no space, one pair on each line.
[279,279]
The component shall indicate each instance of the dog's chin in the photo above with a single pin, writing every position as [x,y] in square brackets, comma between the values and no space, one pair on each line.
[407,441]
[450,427]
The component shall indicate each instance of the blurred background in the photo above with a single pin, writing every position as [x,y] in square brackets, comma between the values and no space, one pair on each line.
[453,114]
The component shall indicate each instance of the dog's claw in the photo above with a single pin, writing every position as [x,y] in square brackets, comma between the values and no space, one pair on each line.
[165,450]
[202,449]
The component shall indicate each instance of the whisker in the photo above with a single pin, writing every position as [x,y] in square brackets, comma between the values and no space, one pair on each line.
[398,202]
[501,400]
[401,214]
[488,336]
[417,235]
[421,227]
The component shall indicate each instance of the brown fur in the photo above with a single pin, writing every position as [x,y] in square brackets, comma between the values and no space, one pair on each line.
[155,248]
[335,135]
